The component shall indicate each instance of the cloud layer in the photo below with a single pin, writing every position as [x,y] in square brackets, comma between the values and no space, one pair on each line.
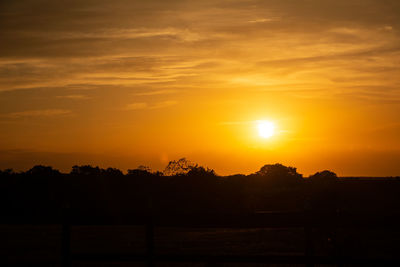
[121,64]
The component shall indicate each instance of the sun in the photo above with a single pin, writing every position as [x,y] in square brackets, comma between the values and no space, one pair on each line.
[266,129]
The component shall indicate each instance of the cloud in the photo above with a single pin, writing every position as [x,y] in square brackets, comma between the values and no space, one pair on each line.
[136,106]
[171,44]
[77,97]
[39,113]
[163,104]
[262,20]
[156,92]
[144,105]
[387,28]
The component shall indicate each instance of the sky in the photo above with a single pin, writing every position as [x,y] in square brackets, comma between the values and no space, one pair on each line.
[128,83]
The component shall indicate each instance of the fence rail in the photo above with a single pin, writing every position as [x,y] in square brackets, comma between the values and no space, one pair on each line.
[307,221]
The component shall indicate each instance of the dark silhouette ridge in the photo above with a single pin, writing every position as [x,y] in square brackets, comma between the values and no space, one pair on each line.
[41,192]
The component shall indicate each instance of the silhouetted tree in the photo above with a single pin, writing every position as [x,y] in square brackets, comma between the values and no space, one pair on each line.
[6,172]
[278,169]
[201,172]
[144,168]
[279,174]
[86,170]
[40,170]
[113,172]
[324,177]
[140,171]
[179,167]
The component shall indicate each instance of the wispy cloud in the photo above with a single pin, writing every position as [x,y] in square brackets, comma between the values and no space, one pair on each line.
[39,113]
[163,104]
[156,92]
[136,106]
[262,20]
[144,105]
[77,97]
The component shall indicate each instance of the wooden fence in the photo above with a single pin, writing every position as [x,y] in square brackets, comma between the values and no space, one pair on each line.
[307,221]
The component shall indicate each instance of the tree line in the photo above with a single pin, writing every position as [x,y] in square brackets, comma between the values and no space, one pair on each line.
[183,187]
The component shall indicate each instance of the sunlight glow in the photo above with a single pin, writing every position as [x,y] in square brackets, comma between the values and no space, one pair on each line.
[266,129]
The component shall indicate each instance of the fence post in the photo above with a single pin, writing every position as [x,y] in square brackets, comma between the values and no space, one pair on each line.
[336,248]
[150,243]
[150,234]
[66,238]
[309,249]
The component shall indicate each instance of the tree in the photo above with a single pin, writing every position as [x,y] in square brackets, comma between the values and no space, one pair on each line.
[200,171]
[86,170]
[144,168]
[40,170]
[179,167]
[324,177]
[7,172]
[279,174]
[112,172]
[140,171]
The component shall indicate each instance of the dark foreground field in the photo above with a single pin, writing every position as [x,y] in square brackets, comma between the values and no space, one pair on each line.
[42,245]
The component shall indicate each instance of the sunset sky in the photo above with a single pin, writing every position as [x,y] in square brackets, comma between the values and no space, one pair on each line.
[128,83]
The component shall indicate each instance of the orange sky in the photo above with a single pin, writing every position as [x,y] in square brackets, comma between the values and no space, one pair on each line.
[124,83]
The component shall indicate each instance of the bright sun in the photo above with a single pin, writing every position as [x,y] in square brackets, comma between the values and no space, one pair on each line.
[266,129]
